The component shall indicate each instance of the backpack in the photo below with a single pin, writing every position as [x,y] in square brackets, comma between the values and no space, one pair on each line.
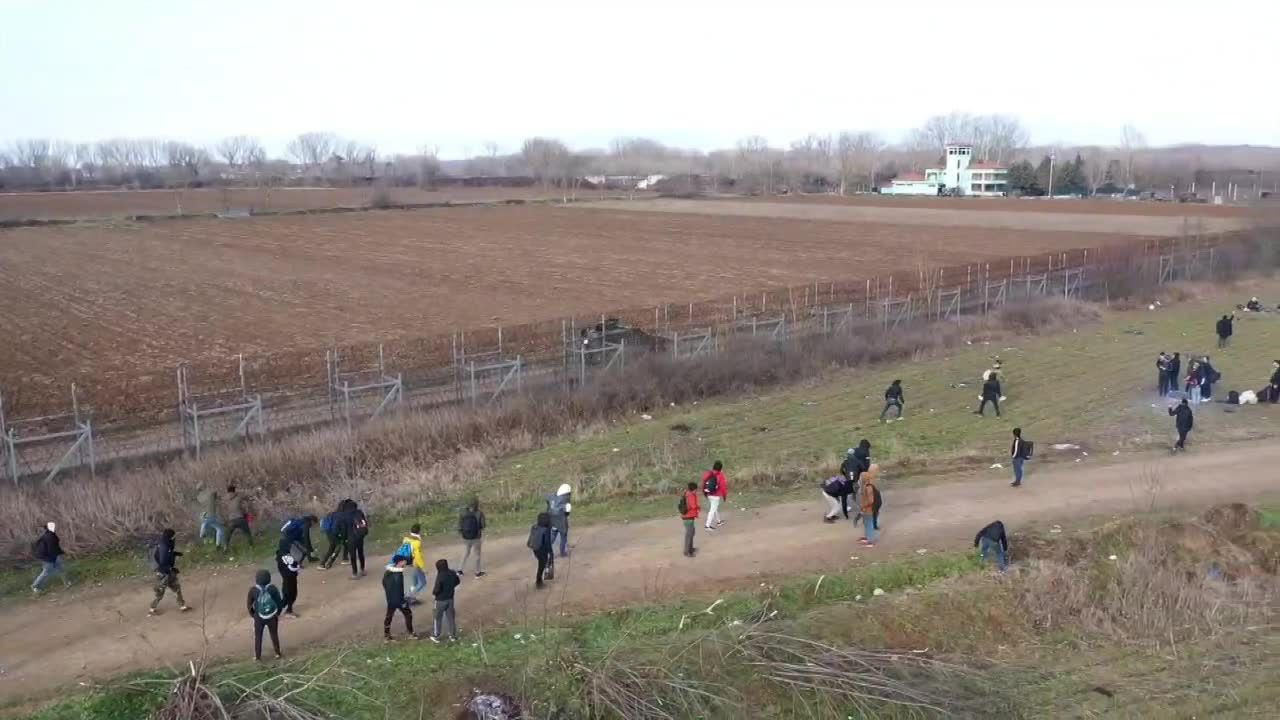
[1029,448]
[470,526]
[291,526]
[360,526]
[265,605]
[833,485]
[683,505]
[535,538]
[328,524]
[710,484]
[405,551]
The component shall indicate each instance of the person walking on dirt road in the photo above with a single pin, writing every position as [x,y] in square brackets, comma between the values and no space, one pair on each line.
[992,539]
[288,566]
[397,600]
[264,604]
[856,462]
[411,547]
[540,543]
[871,503]
[241,514]
[447,581]
[689,509]
[166,557]
[48,550]
[1020,452]
[893,398]
[296,532]
[559,506]
[471,527]
[357,531]
[716,488]
[210,518]
[1183,421]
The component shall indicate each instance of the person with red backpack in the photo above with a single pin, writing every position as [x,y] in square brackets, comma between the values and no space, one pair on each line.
[689,509]
[716,488]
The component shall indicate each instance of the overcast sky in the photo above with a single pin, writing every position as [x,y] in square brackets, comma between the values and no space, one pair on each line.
[697,73]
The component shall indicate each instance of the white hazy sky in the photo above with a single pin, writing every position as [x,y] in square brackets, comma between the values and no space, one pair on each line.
[698,73]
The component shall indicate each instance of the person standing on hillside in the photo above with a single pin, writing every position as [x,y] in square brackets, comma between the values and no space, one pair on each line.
[716,488]
[1273,387]
[210,518]
[357,531]
[540,543]
[893,398]
[48,550]
[288,565]
[1019,453]
[241,514]
[397,600]
[689,509]
[447,582]
[871,504]
[993,540]
[264,603]
[1162,374]
[1225,329]
[1175,370]
[1193,381]
[1208,377]
[471,527]
[559,505]
[1183,421]
[990,394]
[166,557]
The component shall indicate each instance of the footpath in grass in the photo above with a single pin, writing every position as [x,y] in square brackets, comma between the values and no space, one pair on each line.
[687,655]
[1093,387]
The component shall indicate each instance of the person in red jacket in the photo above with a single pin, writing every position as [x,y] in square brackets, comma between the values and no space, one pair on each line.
[716,488]
[689,510]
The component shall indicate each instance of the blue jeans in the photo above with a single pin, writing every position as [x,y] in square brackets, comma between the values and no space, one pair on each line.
[564,537]
[989,546]
[48,570]
[871,526]
[219,531]
[1017,470]
[419,581]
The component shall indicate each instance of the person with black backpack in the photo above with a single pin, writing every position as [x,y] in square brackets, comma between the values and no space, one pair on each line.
[357,531]
[1019,453]
[165,556]
[716,489]
[540,543]
[471,527]
[264,605]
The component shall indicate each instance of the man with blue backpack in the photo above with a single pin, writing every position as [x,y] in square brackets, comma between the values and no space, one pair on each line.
[264,605]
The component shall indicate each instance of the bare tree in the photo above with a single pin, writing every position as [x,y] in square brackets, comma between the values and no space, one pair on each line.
[428,163]
[808,160]
[491,151]
[636,158]
[312,150]
[544,156]
[186,157]
[854,151]
[235,150]
[1131,140]
[1000,136]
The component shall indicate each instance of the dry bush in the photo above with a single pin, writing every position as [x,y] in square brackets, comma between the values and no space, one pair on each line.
[1180,581]
[406,460]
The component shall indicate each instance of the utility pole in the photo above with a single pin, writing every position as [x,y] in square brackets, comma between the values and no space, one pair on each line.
[1052,157]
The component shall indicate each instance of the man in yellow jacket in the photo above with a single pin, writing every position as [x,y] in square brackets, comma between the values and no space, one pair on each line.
[411,547]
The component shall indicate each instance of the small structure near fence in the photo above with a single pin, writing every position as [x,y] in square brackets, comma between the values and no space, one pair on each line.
[197,411]
[347,388]
[72,431]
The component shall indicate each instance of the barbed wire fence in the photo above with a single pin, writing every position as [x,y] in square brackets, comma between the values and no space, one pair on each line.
[200,405]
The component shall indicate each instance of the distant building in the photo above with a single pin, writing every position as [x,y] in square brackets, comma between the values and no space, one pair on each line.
[961,176]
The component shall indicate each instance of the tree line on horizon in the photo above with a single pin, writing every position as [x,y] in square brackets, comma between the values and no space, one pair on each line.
[845,162]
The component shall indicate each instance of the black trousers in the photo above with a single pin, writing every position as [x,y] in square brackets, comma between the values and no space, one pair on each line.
[391,613]
[543,556]
[336,543]
[241,524]
[355,550]
[272,625]
[995,403]
[289,591]
[1182,439]
[1166,383]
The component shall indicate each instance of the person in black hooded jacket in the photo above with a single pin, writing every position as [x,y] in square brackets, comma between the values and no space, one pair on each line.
[1183,421]
[48,550]
[288,567]
[166,557]
[856,462]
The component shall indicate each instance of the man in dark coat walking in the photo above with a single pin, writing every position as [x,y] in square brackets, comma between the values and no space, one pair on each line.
[1183,421]
[48,550]
[1225,328]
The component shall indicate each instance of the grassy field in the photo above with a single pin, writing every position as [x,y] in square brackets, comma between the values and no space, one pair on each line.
[1093,387]
[985,652]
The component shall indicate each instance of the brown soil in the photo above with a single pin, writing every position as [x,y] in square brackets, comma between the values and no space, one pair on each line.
[91,634]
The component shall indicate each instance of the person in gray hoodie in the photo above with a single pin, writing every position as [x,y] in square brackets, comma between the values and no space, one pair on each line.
[559,506]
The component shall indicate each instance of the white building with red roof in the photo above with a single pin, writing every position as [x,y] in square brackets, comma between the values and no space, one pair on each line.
[961,176]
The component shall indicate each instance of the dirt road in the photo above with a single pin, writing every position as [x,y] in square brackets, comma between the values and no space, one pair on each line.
[95,633]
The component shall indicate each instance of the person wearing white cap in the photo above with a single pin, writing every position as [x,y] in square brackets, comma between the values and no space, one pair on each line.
[48,550]
[558,506]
